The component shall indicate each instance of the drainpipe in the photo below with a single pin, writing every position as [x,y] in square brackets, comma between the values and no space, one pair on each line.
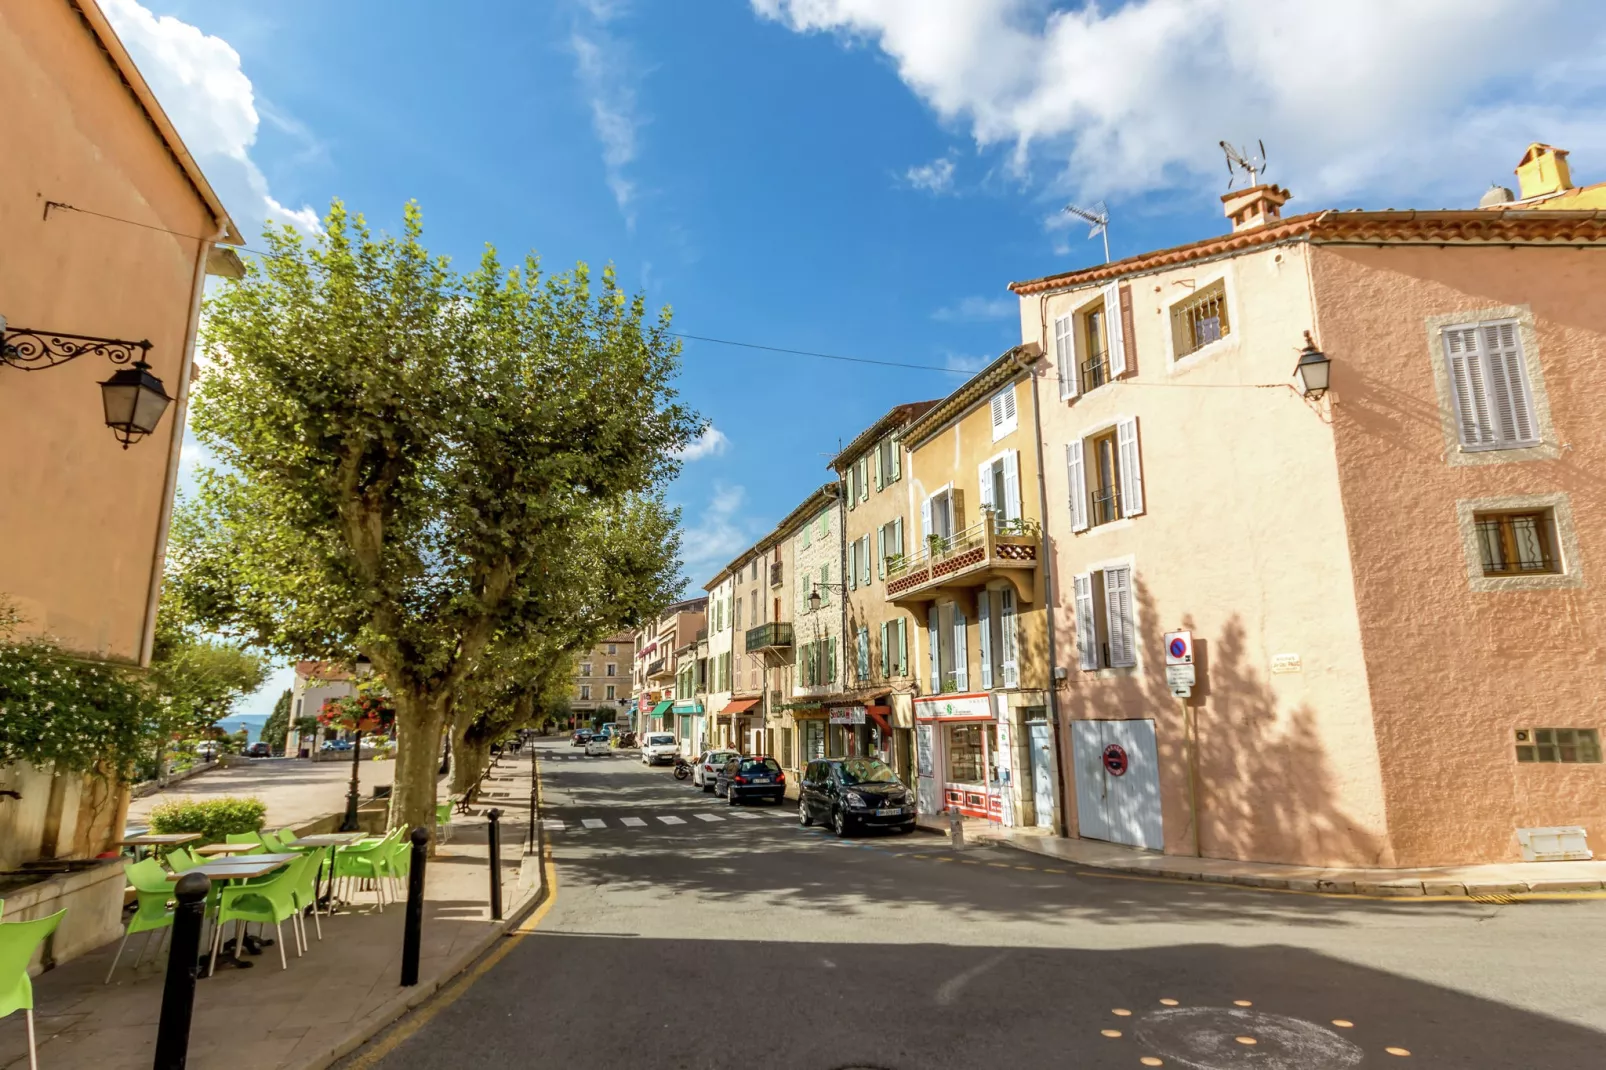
[842,578]
[153,595]
[1046,562]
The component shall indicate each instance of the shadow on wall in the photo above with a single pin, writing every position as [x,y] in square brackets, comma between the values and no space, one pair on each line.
[1266,791]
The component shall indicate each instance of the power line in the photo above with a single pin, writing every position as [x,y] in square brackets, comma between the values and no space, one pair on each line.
[822,356]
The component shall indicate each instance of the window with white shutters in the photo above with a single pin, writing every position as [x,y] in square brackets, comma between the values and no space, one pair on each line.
[1118,617]
[1113,330]
[1087,640]
[984,633]
[864,479]
[1003,412]
[903,646]
[961,674]
[864,654]
[1076,479]
[1131,467]
[1489,386]
[853,564]
[864,560]
[1065,357]
[886,649]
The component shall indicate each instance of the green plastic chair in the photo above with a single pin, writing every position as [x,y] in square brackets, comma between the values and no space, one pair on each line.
[247,837]
[367,860]
[443,819]
[153,894]
[18,941]
[270,901]
[305,892]
[180,860]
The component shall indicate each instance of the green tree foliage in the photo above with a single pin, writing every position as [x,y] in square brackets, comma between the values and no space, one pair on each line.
[409,450]
[197,677]
[276,729]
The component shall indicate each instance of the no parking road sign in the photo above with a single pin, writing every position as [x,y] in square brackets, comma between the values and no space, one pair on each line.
[1115,762]
[1179,648]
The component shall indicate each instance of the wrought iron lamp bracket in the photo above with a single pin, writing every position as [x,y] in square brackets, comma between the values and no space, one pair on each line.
[34,350]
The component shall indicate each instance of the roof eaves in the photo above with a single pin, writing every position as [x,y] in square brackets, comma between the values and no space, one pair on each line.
[1002,370]
[898,417]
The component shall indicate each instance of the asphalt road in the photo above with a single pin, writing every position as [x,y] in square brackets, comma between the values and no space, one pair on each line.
[746,941]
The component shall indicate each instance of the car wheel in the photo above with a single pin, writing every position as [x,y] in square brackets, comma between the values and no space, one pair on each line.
[803,814]
[707,786]
[906,829]
[839,823]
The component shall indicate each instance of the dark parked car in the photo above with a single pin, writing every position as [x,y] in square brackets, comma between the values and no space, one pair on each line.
[847,794]
[580,736]
[259,750]
[751,778]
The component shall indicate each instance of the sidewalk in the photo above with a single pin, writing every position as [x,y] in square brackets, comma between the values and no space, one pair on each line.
[326,1004]
[1509,878]
[295,790]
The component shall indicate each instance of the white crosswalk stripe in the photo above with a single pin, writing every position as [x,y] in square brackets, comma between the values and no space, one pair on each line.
[593,823]
[708,817]
[670,820]
[632,822]
[745,816]
[554,824]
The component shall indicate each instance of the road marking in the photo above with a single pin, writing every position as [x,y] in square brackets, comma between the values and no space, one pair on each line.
[745,817]
[554,824]
[593,823]
[632,822]
[708,817]
[671,820]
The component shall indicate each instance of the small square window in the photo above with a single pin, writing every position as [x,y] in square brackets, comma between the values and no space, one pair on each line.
[1517,544]
[1558,745]
[1200,320]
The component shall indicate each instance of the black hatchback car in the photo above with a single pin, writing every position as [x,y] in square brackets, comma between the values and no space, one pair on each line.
[751,778]
[847,794]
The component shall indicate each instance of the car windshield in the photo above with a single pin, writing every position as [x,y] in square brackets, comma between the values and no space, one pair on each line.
[866,771]
[716,757]
[759,766]
[658,740]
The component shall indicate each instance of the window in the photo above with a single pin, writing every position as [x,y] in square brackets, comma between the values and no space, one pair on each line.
[585,692]
[999,480]
[1104,474]
[807,529]
[755,622]
[805,587]
[863,470]
[825,585]
[853,564]
[1106,635]
[613,648]
[940,515]
[851,480]
[864,654]
[1095,367]
[1003,412]
[754,574]
[1558,745]
[889,545]
[1517,544]
[824,522]
[863,542]
[813,740]
[736,620]
[895,647]
[1200,320]
[1489,383]
[888,462]
[611,694]
[585,668]
[995,630]
[613,669]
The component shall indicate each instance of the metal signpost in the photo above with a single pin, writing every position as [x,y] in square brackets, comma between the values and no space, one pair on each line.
[1180,677]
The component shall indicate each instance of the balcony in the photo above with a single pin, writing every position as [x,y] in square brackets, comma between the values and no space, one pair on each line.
[660,668]
[989,550]
[772,642]
[1104,506]
[775,574]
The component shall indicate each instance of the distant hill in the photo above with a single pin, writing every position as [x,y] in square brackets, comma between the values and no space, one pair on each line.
[251,722]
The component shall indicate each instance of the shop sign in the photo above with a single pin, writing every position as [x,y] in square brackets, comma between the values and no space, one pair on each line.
[946,706]
[923,750]
[847,715]
[687,707]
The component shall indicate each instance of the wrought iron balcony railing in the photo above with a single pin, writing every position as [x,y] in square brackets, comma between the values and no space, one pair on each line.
[769,636]
[964,558]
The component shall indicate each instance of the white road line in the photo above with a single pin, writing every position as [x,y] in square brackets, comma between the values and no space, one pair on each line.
[553,824]
[708,817]
[593,822]
[745,817]
[672,820]
[632,822]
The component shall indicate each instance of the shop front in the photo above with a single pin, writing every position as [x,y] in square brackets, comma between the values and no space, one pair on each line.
[688,727]
[740,726]
[957,757]
[659,719]
[860,731]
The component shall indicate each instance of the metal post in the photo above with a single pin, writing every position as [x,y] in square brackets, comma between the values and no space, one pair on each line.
[350,823]
[413,927]
[183,965]
[532,797]
[956,828]
[495,835]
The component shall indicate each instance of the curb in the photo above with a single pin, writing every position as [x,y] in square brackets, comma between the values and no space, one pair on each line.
[396,1008]
[1372,889]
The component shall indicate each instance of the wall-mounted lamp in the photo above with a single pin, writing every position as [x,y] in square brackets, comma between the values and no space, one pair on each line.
[1313,369]
[133,399]
[814,595]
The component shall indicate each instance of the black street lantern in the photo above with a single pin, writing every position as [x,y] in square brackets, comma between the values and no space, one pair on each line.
[1313,370]
[134,401]
[133,398]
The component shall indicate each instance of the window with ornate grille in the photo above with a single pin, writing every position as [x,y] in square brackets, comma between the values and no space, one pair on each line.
[1200,319]
[1517,544]
[1558,745]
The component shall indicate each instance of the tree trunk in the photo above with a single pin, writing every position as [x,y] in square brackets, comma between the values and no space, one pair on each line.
[420,718]
[470,755]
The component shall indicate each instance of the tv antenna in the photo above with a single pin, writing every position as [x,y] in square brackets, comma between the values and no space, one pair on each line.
[1251,164]
[1097,218]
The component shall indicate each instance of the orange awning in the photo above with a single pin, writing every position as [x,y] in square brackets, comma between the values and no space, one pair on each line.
[741,705]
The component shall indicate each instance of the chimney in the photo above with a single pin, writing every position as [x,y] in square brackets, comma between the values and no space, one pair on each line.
[1542,171]
[1255,206]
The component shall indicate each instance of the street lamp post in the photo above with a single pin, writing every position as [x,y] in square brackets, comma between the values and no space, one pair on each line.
[363,668]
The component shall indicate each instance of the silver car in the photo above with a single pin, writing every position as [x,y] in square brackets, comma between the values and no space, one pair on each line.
[708,767]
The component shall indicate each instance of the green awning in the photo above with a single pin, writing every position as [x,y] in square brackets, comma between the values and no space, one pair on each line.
[662,707]
[688,707]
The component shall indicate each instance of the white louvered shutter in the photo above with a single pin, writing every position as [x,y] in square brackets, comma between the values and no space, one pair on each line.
[1007,638]
[1065,357]
[881,552]
[984,620]
[897,459]
[880,464]
[1512,406]
[864,561]
[1126,440]
[1465,366]
[897,536]
[1087,640]
[931,642]
[864,479]
[1113,329]
[925,520]
[1118,616]
[1010,508]
[961,652]
[1076,478]
[998,415]
[884,651]
[853,565]
[903,646]
[984,477]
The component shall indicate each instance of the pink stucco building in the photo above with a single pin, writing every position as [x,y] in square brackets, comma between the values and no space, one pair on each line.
[1393,589]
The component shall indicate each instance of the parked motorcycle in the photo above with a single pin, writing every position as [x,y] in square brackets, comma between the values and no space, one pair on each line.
[682,768]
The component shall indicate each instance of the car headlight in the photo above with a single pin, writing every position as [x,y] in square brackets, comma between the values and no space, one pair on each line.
[856,801]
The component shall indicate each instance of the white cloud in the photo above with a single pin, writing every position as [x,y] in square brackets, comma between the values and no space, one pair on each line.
[1374,98]
[606,70]
[934,177]
[201,86]
[979,308]
[716,533]
[711,443]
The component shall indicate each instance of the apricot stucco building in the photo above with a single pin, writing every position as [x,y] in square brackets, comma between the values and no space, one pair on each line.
[1393,588]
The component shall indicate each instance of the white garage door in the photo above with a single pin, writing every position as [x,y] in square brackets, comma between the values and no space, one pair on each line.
[1118,782]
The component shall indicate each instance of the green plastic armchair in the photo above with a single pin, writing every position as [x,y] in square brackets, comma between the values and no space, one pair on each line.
[367,860]
[153,894]
[180,860]
[18,940]
[270,901]
[443,819]
[247,837]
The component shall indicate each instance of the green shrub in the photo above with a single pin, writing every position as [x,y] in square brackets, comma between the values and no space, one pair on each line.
[214,819]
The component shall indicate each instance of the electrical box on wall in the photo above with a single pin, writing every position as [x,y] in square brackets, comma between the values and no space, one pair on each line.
[1569,843]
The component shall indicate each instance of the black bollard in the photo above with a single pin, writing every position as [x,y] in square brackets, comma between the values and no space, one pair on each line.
[413,929]
[532,799]
[183,965]
[495,835]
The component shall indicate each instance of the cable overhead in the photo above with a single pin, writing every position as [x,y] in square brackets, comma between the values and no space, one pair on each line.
[821,356]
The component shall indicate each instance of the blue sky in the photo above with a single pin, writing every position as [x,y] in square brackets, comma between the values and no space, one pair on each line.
[859,177]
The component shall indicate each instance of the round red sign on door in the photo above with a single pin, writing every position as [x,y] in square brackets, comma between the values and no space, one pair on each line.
[1115,759]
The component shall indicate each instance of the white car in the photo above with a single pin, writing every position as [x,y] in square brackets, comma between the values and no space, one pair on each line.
[597,745]
[708,766]
[658,747]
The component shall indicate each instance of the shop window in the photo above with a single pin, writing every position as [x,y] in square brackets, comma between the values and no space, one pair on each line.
[970,760]
[1558,745]
[813,740]
[1200,319]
